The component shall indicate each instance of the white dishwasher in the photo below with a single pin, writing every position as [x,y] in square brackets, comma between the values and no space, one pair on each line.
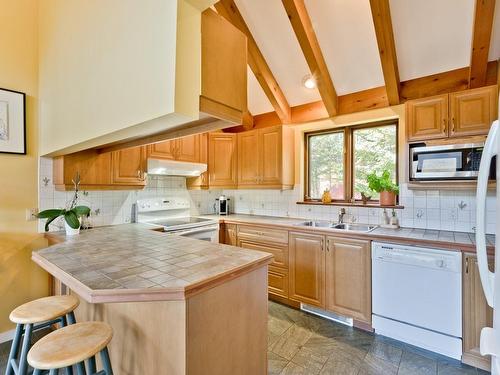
[417,296]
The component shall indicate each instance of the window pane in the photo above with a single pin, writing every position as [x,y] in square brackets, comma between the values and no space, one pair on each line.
[326,165]
[374,151]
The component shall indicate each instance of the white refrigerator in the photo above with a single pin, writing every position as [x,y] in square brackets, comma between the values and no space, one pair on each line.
[490,336]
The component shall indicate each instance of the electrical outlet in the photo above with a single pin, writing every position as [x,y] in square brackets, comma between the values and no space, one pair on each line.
[31,214]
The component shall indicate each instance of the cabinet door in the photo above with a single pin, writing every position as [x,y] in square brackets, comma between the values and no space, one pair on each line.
[280,252]
[200,182]
[248,158]
[128,166]
[348,277]
[223,68]
[163,150]
[188,149]
[222,160]
[229,233]
[427,118]
[473,111]
[270,155]
[277,279]
[307,268]
[476,315]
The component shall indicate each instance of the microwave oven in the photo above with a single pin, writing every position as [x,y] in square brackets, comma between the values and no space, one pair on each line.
[446,162]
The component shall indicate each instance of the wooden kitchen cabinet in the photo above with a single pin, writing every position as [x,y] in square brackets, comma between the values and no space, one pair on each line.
[200,182]
[228,234]
[129,166]
[280,252]
[348,277]
[459,114]
[266,158]
[473,111]
[222,157]
[101,171]
[307,268]
[278,282]
[223,68]
[476,313]
[427,118]
[181,149]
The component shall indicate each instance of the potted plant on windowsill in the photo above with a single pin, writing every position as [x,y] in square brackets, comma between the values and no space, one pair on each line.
[384,185]
[71,214]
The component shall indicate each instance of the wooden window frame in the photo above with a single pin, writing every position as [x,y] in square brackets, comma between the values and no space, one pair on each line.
[348,132]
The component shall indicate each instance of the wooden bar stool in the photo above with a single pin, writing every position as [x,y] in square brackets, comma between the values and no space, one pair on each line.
[72,345]
[33,316]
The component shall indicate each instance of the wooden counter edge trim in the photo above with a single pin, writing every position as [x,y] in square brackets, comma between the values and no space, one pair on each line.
[147,294]
[454,246]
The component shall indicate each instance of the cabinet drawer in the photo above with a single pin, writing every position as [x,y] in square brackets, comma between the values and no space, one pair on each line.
[278,281]
[262,234]
[280,252]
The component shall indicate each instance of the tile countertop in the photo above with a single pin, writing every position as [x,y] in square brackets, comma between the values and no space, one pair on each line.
[131,262]
[459,241]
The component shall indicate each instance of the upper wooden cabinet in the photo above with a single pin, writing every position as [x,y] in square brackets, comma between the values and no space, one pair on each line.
[307,268]
[266,158]
[473,111]
[128,166]
[459,114]
[222,154]
[124,169]
[476,315]
[348,277]
[223,68]
[200,182]
[181,149]
[427,118]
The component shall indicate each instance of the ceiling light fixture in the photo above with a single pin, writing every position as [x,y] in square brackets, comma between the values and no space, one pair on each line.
[309,82]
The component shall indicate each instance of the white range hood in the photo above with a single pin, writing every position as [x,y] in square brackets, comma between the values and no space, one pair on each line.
[175,168]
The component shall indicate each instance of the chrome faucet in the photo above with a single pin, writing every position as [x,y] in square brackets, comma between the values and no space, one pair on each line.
[341,215]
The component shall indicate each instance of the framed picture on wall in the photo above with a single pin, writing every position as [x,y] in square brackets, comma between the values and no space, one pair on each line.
[12,122]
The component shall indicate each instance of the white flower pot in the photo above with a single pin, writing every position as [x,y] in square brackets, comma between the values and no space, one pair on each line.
[70,231]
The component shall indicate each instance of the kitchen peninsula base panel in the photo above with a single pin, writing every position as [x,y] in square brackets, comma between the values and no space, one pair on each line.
[220,331]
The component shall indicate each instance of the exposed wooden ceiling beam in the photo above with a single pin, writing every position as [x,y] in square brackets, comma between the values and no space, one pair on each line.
[481,36]
[304,31]
[381,15]
[256,61]
[441,83]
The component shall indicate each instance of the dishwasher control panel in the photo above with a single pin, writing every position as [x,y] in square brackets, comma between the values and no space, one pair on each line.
[446,260]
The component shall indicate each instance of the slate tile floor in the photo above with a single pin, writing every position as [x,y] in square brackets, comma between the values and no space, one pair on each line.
[303,344]
[300,343]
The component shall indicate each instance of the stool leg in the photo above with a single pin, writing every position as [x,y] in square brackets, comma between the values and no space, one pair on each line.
[71,318]
[23,362]
[54,371]
[37,372]
[68,370]
[64,322]
[106,363]
[14,349]
[91,365]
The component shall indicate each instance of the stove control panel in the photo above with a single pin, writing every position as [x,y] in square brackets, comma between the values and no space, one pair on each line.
[162,204]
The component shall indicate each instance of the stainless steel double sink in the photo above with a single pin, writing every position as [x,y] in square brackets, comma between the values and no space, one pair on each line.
[364,228]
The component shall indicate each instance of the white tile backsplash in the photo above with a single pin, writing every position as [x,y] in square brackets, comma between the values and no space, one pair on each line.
[432,209]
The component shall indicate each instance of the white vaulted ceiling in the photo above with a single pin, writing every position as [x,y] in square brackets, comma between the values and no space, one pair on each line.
[431,36]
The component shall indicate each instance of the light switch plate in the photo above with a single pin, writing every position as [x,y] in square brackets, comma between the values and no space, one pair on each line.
[31,214]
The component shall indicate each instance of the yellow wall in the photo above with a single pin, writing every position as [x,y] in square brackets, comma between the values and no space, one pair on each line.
[20,279]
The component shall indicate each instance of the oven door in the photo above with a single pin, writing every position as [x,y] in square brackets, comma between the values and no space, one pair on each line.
[445,162]
[209,233]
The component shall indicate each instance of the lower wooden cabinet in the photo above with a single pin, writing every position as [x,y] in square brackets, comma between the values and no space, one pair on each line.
[278,281]
[279,252]
[228,234]
[307,268]
[476,313]
[348,277]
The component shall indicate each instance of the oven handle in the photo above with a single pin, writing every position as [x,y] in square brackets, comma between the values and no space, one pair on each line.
[197,230]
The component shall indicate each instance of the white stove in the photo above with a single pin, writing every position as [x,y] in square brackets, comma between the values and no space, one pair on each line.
[173,215]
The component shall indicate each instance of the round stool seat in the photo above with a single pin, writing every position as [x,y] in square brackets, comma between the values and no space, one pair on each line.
[70,345]
[44,309]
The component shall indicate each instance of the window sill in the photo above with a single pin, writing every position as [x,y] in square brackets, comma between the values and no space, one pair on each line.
[350,204]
